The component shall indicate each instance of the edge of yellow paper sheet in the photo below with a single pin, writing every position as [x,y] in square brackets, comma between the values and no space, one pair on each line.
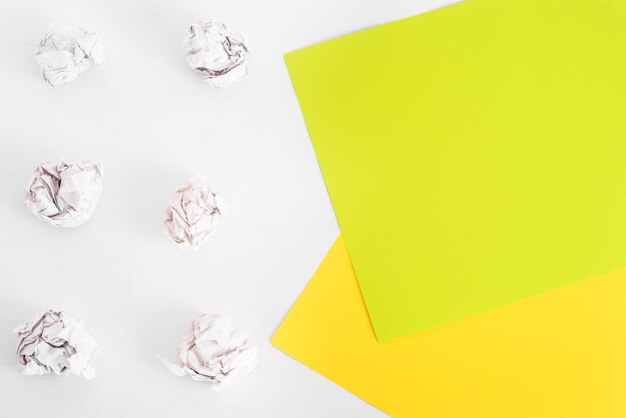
[559,354]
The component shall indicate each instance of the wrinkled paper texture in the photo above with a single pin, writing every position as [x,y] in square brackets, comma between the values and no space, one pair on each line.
[66,51]
[213,351]
[194,213]
[217,52]
[54,342]
[65,194]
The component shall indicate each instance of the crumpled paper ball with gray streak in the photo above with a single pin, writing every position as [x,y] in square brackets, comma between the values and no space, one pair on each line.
[194,213]
[66,51]
[54,342]
[217,52]
[65,194]
[214,351]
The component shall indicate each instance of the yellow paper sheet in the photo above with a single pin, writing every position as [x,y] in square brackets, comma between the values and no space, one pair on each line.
[558,355]
[475,155]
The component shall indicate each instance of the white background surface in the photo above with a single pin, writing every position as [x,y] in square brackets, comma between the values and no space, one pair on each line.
[153,123]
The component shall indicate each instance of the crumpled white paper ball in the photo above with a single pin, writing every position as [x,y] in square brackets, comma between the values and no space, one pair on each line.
[194,213]
[217,52]
[66,51]
[65,194]
[213,351]
[54,342]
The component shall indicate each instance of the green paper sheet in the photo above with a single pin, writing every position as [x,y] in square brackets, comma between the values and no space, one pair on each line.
[475,155]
